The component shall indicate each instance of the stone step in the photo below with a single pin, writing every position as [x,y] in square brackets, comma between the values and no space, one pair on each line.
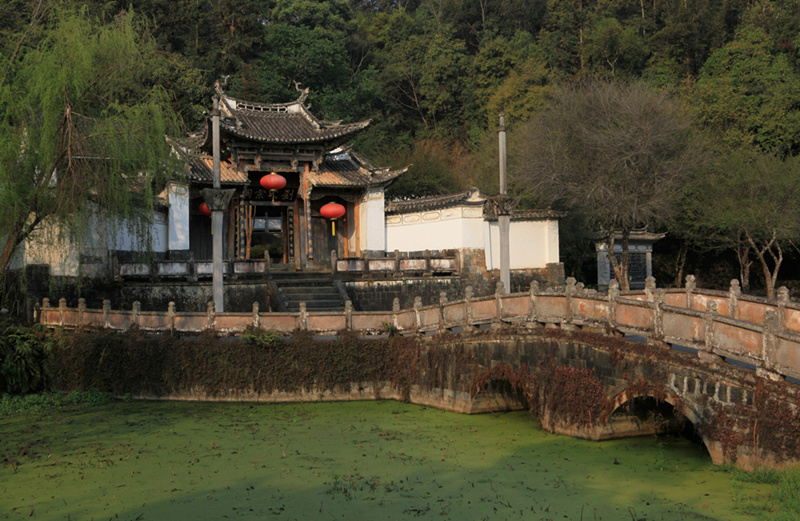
[319,294]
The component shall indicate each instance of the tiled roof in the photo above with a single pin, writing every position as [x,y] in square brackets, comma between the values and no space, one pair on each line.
[341,169]
[281,123]
[525,215]
[201,170]
[471,197]
[636,235]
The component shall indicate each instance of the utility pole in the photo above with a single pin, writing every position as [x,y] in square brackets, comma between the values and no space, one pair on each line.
[217,200]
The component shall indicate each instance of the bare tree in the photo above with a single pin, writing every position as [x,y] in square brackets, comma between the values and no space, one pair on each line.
[748,203]
[621,153]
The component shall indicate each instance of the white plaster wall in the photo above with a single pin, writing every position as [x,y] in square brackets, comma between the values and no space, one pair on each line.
[123,235]
[372,221]
[55,247]
[178,197]
[48,245]
[435,230]
[532,244]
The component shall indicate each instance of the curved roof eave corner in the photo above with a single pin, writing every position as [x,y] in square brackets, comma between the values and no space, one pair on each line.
[386,177]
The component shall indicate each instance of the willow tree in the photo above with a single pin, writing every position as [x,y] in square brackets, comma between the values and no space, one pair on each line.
[81,132]
[620,154]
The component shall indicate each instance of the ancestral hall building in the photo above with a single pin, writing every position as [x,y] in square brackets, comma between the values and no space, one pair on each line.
[284,166]
[287,140]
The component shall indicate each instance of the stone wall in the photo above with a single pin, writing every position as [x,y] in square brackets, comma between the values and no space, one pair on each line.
[378,295]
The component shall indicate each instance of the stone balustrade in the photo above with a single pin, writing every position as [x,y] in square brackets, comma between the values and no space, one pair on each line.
[759,332]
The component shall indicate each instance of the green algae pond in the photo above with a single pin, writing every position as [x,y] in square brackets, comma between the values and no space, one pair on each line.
[353,460]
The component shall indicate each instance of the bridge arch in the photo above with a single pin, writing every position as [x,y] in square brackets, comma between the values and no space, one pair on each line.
[678,405]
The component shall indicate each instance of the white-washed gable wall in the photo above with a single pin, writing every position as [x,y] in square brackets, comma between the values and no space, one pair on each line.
[450,228]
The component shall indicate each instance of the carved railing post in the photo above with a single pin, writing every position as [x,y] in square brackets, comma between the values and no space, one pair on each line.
[650,288]
[442,304]
[498,299]
[210,316]
[417,316]
[81,310]
[659,299]
[256,316]
[395,311]
[136,309]
[709,315]
[348,314]
[303,317]
[106,313]
[690,287]
[468,294]
[783,299]
[62,307]
[733,298]
[533,317]
[171,316]
[770,330]
[569,292]
[613,295]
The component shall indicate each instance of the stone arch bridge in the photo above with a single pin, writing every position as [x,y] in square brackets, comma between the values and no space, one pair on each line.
[589,364]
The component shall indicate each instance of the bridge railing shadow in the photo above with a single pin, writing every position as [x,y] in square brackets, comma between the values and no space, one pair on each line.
[719,325]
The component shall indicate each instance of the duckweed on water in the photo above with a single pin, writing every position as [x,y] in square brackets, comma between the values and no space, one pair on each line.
[368,460]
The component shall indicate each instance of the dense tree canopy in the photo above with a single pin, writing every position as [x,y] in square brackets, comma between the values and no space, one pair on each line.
[434,74]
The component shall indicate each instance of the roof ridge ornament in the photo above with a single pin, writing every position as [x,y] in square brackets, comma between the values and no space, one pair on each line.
[303,92]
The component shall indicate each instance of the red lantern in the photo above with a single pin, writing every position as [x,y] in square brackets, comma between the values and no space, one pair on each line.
[204,209]
[332,211]
[273,181]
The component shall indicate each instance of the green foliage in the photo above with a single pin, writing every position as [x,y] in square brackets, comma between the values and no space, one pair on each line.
[432,172]
[766,476]
[25,364]
[261,337]
[788,493]
[82,131]
[747,95]
[34,403]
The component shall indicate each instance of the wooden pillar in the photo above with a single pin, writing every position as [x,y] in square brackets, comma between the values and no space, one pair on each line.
[307,234]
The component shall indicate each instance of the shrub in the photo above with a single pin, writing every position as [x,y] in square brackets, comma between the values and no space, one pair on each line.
[24,359]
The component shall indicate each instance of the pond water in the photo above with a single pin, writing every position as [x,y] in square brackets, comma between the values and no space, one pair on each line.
[355,460]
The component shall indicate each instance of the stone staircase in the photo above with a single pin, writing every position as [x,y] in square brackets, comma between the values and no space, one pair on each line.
[319,294]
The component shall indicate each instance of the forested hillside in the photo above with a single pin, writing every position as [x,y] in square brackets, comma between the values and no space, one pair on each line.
[434,74]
